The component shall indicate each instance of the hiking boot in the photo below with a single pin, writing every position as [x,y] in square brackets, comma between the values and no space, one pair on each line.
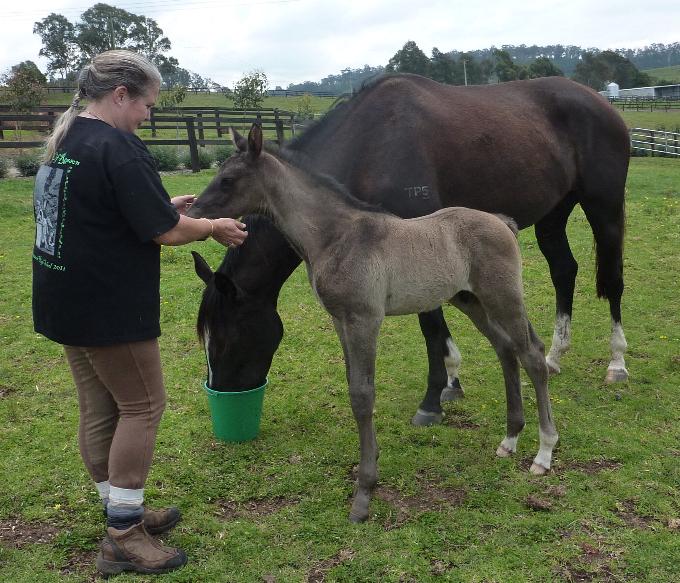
[134,549]
[159,521]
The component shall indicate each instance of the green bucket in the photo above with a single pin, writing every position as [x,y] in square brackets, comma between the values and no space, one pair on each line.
[236,414]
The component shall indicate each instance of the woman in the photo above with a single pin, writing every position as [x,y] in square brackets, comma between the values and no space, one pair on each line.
[102,215]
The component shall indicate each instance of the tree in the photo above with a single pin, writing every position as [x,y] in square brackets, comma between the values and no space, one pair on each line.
[410,59]
[442,67]
[544,67]
[505,68]
[59,44]
[250,91]
[105,27]
[598,69]
[25,85]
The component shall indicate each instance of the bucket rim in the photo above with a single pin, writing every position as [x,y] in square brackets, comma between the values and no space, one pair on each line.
[228,393]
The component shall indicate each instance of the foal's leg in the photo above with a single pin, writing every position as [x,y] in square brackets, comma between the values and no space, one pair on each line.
[444,359]
[510,315]
[467,303]
[552,240]
[358,336]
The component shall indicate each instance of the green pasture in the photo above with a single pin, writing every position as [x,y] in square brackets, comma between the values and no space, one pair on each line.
[668,73]
[275,509]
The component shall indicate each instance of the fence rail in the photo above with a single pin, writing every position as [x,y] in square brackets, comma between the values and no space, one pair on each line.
[646,103]
[192,123]
[648,142]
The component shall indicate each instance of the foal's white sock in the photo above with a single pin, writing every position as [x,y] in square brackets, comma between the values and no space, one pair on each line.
[103,489]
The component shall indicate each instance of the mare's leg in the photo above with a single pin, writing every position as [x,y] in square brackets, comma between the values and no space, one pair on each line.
[444,359]
[552,240]
[468,303]
[608,224]
[358,336]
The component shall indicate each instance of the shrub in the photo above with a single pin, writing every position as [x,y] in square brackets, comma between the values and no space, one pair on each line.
[166,157]
[27,164]
[4,167]
[205,159]
[221,153]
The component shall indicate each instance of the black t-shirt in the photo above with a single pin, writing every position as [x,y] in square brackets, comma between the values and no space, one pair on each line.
[96,269]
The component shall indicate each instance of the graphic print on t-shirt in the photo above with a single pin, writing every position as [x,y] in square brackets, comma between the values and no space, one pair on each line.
[46,200]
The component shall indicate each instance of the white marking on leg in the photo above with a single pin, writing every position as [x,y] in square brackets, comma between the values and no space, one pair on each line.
[543,459]
[616,371]
[507,447]
[452,360]
[206,346]
[561,341]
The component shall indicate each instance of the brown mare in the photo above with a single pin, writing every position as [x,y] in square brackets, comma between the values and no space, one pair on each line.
[367,264]
[531,150]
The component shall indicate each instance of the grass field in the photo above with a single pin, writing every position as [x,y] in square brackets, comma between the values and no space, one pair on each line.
[667,73]
[275,509]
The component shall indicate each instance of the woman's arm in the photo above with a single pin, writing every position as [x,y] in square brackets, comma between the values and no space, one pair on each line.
[224,231]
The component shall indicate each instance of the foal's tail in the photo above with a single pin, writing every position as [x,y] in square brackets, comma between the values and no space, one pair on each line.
[510,222]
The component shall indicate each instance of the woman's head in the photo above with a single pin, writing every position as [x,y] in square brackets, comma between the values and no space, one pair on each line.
[122,80]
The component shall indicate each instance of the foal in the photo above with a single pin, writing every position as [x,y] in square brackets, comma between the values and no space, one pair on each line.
[364,265]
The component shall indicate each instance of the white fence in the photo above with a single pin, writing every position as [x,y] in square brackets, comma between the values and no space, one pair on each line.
[644,142]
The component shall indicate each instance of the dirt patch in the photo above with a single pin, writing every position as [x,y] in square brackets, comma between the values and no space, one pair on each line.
[593,564]
[81,563]
[320,570]
[439,568]
[537,503]
[627,511]
[229,509]
[15,533]
[4,391]
[589,467]
[430,497]
[459,420]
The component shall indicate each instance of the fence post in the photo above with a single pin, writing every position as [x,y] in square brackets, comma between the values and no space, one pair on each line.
[193,146]
[653,141]
[2,133]
[279,127]
[152,119]
[50,120]
[200,128]
[218,127]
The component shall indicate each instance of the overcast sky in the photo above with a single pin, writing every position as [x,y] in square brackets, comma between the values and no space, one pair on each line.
[297,40]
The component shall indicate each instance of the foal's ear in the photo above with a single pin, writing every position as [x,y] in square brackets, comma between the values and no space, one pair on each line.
[255,141]
[227,287]
[239,141]
[202,268]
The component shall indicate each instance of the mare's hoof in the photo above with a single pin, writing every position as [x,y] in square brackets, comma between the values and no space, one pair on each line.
[503,451]
[426,418]
[452,392]
[616,375]
[538,469]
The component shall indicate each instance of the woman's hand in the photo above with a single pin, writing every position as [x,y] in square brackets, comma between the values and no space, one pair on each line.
[183,203]
[229,231]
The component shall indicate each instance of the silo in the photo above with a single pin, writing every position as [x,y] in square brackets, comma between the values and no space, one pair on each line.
[613,90]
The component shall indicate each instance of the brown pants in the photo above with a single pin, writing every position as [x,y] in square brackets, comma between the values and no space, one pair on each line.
[121,398]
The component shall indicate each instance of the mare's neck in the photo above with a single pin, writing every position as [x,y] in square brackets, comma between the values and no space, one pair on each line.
[311,215]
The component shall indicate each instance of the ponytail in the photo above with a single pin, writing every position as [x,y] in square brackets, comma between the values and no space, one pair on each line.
[62,126]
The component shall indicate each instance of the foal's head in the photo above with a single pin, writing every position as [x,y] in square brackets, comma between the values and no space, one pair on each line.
[238,187]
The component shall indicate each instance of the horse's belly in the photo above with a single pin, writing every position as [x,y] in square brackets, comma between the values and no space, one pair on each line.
[407,296]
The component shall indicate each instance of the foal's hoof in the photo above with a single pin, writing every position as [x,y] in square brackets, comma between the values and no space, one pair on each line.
[553,367]
[452,392]
[503,451]
[616,375]
[538,469]
[357,518]
[426,418]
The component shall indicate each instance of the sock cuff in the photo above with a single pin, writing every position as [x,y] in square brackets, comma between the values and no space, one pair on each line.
[126,496]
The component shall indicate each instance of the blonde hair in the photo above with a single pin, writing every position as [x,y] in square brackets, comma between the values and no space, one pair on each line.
[107,71]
